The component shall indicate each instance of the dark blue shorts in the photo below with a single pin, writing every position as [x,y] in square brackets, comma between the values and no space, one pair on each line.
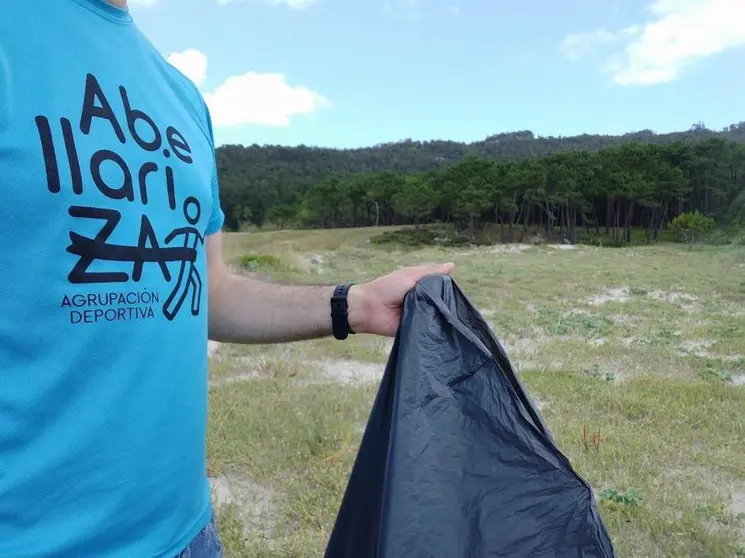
[206,544]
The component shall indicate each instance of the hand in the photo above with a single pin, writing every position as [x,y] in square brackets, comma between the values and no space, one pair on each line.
[375,307]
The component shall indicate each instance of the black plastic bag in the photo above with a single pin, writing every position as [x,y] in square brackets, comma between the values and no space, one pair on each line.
[456,461]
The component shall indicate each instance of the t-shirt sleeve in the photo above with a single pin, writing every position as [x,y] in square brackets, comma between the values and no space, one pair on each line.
[217,218]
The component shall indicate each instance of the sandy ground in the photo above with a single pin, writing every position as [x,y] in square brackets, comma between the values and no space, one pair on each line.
[256,504]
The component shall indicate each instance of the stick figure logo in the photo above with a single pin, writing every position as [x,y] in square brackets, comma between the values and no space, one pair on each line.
[188,277]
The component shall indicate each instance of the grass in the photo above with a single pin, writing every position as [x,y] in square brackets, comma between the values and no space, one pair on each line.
[445,234]
[632,352]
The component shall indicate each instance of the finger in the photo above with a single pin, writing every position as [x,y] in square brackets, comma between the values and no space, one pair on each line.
[437,269]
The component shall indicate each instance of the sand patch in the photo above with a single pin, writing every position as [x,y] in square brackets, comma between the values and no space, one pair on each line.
[563,246]
[316,264]
[509,248]
[737,502]
[256,505]
[263,367]
[739,380]
[624,319]
[697,347]
[533,352]
[304,372]
[351,371]
[736,506]
[725,359]
[620,294]
[212,348]
[532,344]
[733,311]
[700,348]
[526,364]
[682,300]
[526,352]
[520,345]
[237,378]
[706,483]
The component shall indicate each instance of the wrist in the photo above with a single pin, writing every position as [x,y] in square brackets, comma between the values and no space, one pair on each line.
[357,308]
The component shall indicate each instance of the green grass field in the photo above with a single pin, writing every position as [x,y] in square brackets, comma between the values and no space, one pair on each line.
[636,357]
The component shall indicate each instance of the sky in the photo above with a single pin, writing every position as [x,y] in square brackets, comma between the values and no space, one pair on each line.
[355,73]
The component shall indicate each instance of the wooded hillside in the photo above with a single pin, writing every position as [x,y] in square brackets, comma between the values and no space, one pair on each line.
[516,180]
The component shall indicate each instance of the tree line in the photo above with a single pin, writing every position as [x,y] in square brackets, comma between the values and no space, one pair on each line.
[608,186]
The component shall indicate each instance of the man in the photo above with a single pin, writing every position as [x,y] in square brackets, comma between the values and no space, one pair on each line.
[112,280]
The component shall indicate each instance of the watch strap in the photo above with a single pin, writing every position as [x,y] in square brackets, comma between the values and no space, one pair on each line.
[339,312]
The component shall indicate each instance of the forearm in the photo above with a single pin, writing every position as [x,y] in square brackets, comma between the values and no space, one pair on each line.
[244,310]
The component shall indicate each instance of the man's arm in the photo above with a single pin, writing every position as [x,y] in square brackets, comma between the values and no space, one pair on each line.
[243,310]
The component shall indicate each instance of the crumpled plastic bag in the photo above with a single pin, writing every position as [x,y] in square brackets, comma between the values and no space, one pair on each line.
[456,461]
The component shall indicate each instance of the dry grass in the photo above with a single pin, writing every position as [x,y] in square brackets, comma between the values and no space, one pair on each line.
[644,345]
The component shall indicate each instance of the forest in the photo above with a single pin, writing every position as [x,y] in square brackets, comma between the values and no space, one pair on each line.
[516,181]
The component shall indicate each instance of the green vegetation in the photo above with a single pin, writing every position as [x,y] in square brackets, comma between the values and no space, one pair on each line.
[692,225]
[434,235]
[631,498]
[256,262]
[634,356]
[588,188]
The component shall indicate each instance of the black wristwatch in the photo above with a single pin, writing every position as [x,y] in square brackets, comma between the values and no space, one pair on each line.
[339,313]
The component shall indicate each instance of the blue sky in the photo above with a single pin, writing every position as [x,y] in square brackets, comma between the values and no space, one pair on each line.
[349,73]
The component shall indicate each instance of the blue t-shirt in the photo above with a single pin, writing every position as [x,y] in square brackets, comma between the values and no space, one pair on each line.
[108,190]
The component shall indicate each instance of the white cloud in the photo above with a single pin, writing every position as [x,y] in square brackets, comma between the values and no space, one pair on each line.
[294,4]
[265,99]
[191,63]
[250,98]
[679,33]
[579,45]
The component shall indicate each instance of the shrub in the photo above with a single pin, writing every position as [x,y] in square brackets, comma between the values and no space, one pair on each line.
[690,226]
[255,262]
[631,498]
[738,238]
[717,237]
[407,237]
[434,235]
